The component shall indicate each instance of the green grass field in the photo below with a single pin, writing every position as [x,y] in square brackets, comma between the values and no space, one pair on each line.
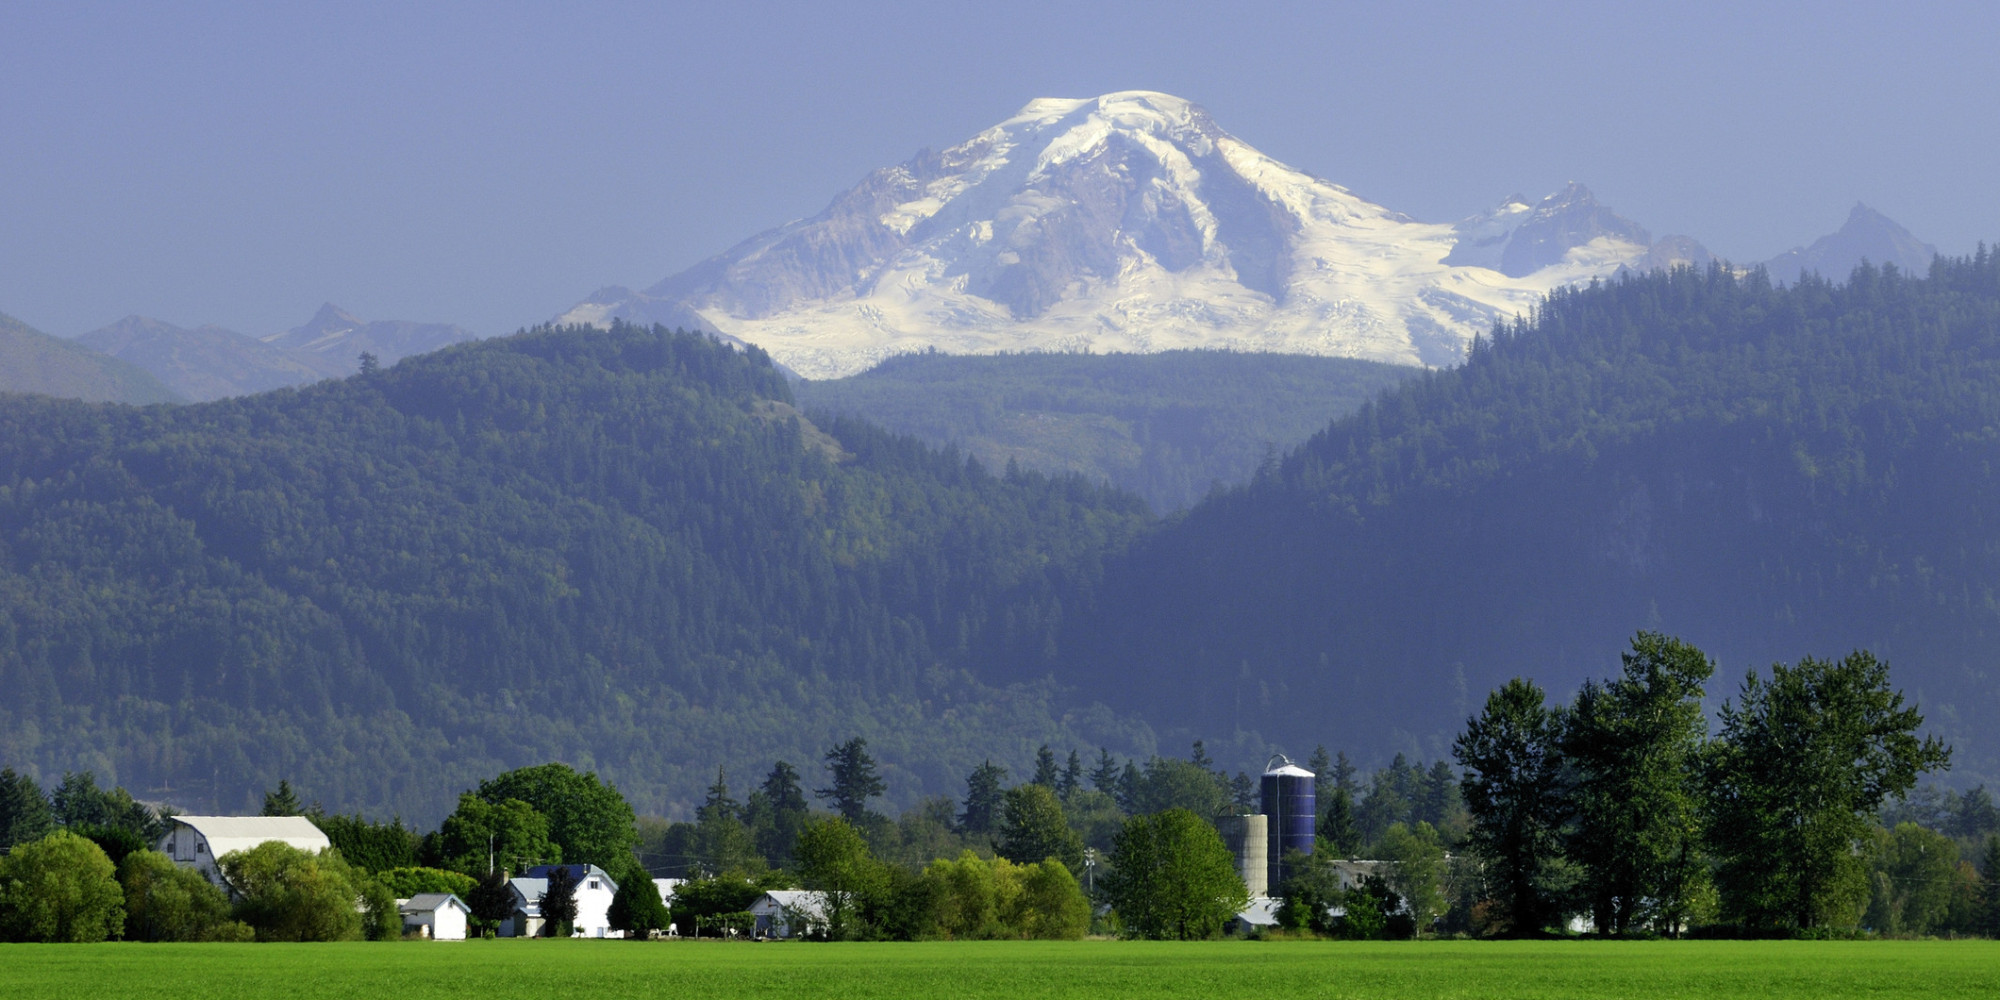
[601,970]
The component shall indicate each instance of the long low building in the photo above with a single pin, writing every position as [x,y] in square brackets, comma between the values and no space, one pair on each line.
[198,841]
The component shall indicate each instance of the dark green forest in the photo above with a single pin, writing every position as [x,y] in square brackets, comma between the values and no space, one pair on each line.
[1762,470]
[621,549]
[628,551]
[1168,426]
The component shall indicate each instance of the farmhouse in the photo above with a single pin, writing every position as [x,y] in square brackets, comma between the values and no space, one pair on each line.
[594,891]
[784,913]
[439,916]
[197,841]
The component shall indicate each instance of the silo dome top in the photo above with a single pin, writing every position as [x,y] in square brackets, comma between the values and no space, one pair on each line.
[1282,765]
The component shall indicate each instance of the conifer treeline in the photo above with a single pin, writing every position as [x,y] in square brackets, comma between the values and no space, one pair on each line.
[617,542]
[1765,470]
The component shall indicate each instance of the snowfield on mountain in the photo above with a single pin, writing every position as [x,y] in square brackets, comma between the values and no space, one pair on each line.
[1130,222]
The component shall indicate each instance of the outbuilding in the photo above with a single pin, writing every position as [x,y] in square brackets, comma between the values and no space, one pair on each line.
[439,916]
[198,841]
[783,913]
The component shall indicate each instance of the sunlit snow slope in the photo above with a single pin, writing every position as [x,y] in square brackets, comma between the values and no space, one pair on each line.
[1128,222]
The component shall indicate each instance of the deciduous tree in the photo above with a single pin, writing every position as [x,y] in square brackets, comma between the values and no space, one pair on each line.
[1172,877]
[1635,744]
[1802,762]
[60,888]
[1512,765]
[588,819]
[167,902]
[1033,828]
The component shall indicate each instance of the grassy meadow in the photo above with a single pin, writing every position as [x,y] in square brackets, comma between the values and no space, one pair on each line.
[547,970]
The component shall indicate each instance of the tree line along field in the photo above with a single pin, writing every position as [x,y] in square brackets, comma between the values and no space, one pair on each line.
[1016,970]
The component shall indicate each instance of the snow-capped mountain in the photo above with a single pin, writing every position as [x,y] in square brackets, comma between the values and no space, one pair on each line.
[1129,222]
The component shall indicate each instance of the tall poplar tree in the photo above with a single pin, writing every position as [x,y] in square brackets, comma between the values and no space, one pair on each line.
[1511,764]
[1635,745]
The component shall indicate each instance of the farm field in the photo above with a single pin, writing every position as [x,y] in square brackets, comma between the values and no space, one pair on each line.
[546,970]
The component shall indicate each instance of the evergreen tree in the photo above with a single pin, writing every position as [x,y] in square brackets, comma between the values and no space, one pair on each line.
[1986,917]
[1104,777]
[1339,829]
[283,802]
[1440,795]
[24,812]
[1128,788]
[1512,765]
[559,903]
[375,847]
[1321,765]
[78,803]
[1243,793]
[1199,757]
[1046,774]
[982,800]
[718,803]
[855,780]
[491,901]
[1343,773]
[1802,763]
[722,841]
[788,814]
[1072,778]
[636,908]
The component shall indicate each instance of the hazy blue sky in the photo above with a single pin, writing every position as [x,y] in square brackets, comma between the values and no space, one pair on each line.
[490,164]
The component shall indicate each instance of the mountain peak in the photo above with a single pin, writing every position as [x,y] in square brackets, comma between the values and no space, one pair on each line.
[330,315]
[1866,235]
[1130,221]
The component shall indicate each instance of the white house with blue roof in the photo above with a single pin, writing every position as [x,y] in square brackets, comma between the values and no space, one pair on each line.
[594,891]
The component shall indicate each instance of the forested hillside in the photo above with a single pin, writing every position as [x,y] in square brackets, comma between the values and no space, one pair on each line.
[620,549]
[1167,426]
[1765,472]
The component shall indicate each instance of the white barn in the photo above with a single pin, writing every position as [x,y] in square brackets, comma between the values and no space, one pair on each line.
[594,891]
[439,916]
[197,841]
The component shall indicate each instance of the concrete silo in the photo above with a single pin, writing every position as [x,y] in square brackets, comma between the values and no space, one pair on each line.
[1293,811]
[1249,838]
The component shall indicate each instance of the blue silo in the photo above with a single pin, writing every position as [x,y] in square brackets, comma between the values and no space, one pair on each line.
[1293,809]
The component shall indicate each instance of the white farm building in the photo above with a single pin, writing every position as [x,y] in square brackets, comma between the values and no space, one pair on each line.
[197,841]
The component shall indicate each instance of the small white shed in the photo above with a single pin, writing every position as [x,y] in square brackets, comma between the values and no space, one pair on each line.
[439,916]
[783,913]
